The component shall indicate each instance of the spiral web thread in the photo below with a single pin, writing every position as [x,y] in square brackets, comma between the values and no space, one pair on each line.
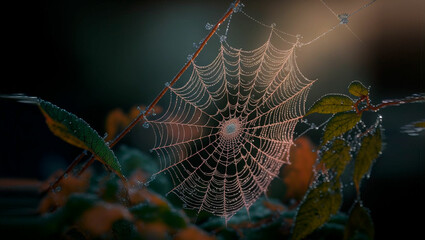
[228,128]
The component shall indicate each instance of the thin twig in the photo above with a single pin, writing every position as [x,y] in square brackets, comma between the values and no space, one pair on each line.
[371,107]
[143,115]
[67,171]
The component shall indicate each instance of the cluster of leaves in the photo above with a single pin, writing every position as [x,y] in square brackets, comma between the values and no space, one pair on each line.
[108,206]
[345,139]
[93,206]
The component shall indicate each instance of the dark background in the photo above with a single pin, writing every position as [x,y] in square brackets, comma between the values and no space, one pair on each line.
[90,57]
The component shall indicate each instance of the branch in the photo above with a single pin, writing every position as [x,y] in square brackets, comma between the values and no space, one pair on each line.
[386,103]
[148,112]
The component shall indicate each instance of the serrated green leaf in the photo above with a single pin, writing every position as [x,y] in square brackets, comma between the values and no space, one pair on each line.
[78,132]
[337,157]
[333,103]
[339,124]
[359,224]
[370,149]
[358,89]
[319,204]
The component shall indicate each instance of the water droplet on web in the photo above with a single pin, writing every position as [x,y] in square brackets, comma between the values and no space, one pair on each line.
[273,25]
[146,125]
[238,8]
[65,175]
[209,26]
[223,38]
[189,57]
[150,150]
[343,18]
[153,112]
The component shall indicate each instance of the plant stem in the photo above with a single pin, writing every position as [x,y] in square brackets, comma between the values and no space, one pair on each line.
[68,170]
[143,115]
[395,102]
[86,165]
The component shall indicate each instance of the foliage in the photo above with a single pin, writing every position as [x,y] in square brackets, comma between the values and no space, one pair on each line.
[101,205]
[343,138]
[93,206]
[320,203]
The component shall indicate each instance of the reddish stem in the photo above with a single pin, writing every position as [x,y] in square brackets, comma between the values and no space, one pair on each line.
[68,170]
[371,107]
[143,115]
[86,165]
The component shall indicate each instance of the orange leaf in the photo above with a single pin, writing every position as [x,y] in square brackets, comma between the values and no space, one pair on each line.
[298,174]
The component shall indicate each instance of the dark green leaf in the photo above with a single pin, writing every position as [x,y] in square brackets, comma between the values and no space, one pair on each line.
[359,224]
[370,149]
[358,89]
[337,157]
[319,204]
[339,124]
[78,132]
[332,104]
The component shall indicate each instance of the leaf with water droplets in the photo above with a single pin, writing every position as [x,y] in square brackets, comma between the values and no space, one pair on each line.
[337,157]
[74,131]
[339,124]
[78,132]
[319,204]
[358,89]
[359,225]
[370,149]
[332,103]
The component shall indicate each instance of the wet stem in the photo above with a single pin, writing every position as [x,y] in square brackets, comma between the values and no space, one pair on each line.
[142,116]
[395,102]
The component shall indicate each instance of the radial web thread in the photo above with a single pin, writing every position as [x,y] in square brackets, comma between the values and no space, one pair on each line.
[228,128]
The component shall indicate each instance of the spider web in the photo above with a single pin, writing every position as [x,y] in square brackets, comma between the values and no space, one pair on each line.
[228,129]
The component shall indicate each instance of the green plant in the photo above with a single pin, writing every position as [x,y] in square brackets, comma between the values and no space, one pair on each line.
[134,211]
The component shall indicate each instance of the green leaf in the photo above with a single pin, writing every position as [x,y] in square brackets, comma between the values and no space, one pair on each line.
[319,204]
[359,225]
[358,89]
[339,124]
[78,132]
[370,149]
[337,157]
[333,103]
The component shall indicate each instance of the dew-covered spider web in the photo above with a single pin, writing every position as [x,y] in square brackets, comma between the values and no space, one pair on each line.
[228,128]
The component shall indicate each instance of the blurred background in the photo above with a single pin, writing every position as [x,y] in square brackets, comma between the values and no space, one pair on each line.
[91,57]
